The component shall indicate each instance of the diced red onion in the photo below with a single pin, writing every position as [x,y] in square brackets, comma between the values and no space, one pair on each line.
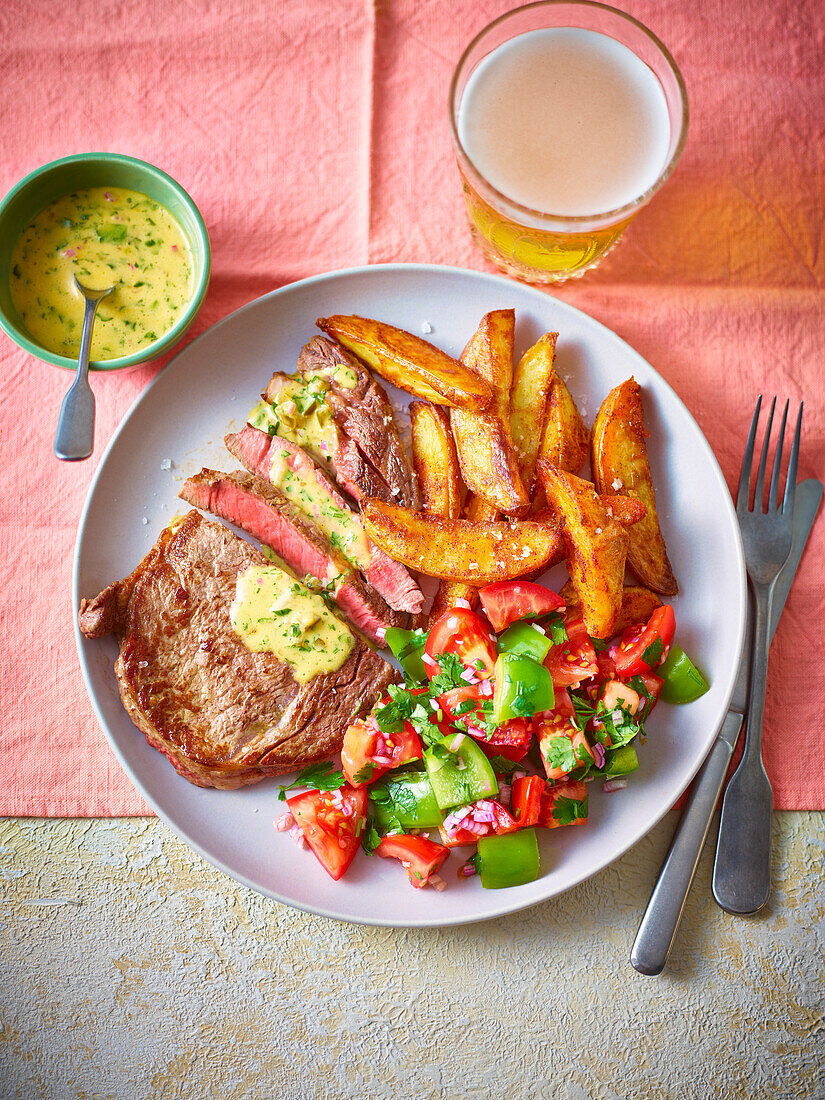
[429,661]
[473,826]
[504,793]
[297,834]
[284,822]
[467,869]
[469,676]
[382,761]
[598,754]
[461,602]
[614,785]
[486,687]
[437,882]
[518,775]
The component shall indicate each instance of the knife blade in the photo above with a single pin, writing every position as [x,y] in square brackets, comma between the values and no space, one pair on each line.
[660,922]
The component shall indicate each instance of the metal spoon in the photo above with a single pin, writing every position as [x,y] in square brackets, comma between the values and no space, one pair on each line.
[76,426]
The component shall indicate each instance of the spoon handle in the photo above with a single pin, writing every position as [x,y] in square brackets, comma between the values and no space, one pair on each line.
[75,434]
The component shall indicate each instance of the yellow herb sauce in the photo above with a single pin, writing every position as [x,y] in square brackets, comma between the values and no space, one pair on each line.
[272,612]
[105,236]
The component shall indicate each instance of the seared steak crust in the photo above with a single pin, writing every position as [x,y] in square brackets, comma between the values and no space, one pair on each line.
[365,414]
[224,716]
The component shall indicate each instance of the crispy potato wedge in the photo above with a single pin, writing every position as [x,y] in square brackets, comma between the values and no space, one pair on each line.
[448,592]
[638,604]
[532,380]
[488,460]
[409,362]
[446,595]
[595,547]
[460,549]
[625,510]
[489,353]
[434,460]
[485,450]
[565,441]
[620,464]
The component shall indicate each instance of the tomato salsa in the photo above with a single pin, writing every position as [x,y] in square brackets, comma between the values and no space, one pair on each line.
[505,716]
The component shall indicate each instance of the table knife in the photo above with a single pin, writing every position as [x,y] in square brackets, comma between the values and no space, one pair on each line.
[661,919]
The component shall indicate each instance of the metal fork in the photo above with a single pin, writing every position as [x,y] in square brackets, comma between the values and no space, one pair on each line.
[742,871]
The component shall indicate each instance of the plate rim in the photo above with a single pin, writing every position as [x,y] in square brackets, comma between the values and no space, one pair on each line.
[493,910]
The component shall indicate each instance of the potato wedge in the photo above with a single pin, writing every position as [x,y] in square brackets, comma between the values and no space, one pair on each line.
[620,464]
[434,460]
[625,510]
[460,549]
[448,592]
[489,353]
[595,547]
[565,441]
[532,380]
[409,362]
[488,461]
[638,604]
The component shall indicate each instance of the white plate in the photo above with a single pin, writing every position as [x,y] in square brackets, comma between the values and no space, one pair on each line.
[209,388]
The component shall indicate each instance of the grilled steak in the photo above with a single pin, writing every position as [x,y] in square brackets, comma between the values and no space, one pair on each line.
[223,715]
[364,413]
[313,492]
[340,455]
[258,507]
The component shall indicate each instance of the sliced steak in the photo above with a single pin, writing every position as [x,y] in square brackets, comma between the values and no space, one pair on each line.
[257,507]
[363,411]
[340,455]
[223,715]
[318,498]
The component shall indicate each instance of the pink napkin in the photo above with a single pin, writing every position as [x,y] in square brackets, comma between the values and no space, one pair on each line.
[315,137]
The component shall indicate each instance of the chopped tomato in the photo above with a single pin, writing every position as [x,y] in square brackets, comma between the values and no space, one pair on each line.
[509,752]
[556,809]
[419,856]
[607,667]
[574,659]
[503,822]
[506,601]
[616,694]
[464,633]
[332,822]
[654,685]
[556,723]
[463,704]
[516,731]
[367,753]
[526,799]
[645,645]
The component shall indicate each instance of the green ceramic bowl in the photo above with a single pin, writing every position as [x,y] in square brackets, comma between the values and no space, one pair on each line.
[61,177]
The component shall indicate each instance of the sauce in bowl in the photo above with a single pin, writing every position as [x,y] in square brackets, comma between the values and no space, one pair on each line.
[105,236]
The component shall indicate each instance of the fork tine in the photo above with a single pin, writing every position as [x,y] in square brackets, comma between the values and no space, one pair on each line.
[773,492]
[743,493]
[759,491]
[793,461]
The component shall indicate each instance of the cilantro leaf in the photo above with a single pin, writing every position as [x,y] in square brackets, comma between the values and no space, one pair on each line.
[450,675]
[365,774]
[317,777]
[558,752]
[554,625]
[567,810]
[653,654]
[370,838]
[583,710]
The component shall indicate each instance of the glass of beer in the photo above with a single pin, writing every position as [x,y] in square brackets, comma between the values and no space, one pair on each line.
[567,117]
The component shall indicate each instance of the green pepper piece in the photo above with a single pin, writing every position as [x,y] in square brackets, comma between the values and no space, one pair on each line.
[509,859]
[683,682]
[523,688]
[526,639]
[410,802]
[622,761]
[405,647]
[454,786]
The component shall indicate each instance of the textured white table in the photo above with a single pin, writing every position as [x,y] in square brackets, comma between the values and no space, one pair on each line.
[163,978]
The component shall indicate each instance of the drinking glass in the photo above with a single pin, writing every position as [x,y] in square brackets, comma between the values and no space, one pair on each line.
[539,246]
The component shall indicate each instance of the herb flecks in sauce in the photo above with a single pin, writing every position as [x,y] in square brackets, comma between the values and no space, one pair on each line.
[272,612]
[104,236]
